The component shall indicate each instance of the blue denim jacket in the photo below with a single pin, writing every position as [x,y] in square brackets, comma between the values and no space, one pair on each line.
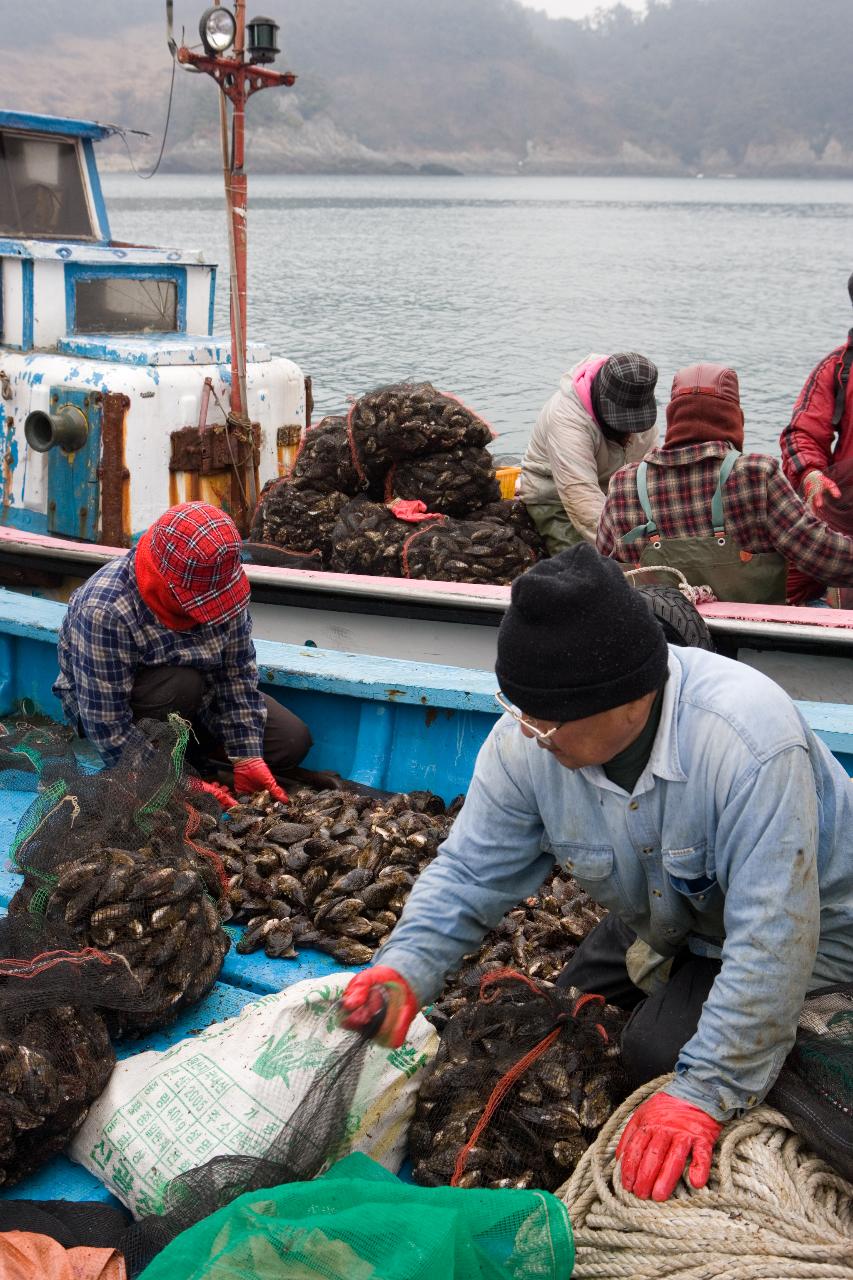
[736,841]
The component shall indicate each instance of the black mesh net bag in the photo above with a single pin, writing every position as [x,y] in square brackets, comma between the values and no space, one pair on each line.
[479,551]
[300,519]
[325,463]
[453,482]
[55,1051]
[405,420]
[331,871]
[514,514]
[312,1138]
[30,752]
[523,1080]
[539,936]
[117,859]
[369,539]
[814,1089]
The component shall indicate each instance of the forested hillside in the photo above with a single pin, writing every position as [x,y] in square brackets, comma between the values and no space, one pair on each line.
[718,86]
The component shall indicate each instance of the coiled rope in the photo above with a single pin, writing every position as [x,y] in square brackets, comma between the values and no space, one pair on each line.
[771,1211]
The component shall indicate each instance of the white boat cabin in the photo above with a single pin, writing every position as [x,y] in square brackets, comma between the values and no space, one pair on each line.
[105,348]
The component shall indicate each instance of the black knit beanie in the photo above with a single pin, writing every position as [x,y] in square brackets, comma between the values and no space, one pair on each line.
[577,639]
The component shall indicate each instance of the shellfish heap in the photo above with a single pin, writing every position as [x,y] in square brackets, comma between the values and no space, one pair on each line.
[114,859]
[405,441]
[331,870]
[531,1131]
[539,937]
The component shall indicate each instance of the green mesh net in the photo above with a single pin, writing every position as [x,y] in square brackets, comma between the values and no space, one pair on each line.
[359,1222]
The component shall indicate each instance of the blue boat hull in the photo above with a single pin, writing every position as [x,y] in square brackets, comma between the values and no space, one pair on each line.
[383,722]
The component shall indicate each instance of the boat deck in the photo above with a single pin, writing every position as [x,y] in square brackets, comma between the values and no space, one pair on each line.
[383,722]
[242,980]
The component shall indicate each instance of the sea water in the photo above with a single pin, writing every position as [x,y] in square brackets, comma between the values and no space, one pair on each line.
[492,287]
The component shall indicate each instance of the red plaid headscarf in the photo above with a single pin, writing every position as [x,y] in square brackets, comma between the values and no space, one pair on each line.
[195,548]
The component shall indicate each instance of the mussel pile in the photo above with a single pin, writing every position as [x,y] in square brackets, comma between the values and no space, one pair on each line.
[514,514]
[453,482]
[369,539]
[538,937]
[54,1063]
[298,518]
[405,420]
[156,908]
[548,1115]
[331,870]
[480,551]
[325,462]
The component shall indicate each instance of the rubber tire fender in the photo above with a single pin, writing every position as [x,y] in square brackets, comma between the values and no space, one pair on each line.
[682,622]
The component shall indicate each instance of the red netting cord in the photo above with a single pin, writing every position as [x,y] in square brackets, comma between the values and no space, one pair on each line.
[389,483]
[356,460]
[478,416]
[496,1098]
[11,967]
[404,556]
[192,826]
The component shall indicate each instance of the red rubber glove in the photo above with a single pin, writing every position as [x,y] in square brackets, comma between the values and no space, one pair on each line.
[815,488]
[662,1134]
[372,991]
[215,789]
[412,510]
[254,775]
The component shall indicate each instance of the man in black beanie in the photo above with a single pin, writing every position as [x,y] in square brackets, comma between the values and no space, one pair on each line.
[684,793]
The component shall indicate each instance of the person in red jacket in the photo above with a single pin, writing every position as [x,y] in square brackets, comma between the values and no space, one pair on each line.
[817,440]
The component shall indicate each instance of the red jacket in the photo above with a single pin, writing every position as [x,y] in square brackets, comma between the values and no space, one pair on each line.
[809,441]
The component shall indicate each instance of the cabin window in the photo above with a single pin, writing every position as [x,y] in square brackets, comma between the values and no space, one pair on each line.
[42,192]
[120,304]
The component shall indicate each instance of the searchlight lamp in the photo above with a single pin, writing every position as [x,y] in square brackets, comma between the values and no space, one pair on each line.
[218,30]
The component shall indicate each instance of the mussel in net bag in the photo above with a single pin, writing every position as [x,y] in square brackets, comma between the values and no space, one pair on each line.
[514,514]
[453,481]
[368,538]
[325,462]
[55,1051]
[118,859]
[298,518]
[523,1080]
[481,551]
[404,420]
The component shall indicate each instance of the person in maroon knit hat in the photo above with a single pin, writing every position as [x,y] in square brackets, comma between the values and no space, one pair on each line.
[166,628]
[726,519]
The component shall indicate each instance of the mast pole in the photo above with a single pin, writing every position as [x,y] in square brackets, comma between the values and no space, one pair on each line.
[238,193]
[238,78]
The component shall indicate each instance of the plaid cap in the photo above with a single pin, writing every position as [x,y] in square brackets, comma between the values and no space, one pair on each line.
[196,548]
[625,386]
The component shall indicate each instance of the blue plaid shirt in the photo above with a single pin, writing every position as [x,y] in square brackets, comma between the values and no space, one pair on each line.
[109,632]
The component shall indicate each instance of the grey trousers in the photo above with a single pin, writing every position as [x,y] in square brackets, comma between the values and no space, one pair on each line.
[159,690]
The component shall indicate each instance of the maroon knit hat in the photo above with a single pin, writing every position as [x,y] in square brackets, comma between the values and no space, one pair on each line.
[704,406]
[196,549]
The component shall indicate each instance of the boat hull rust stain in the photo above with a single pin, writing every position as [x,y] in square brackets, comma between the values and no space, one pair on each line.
[113,472]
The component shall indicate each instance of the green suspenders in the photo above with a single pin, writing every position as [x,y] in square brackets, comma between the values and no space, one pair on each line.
[649,529]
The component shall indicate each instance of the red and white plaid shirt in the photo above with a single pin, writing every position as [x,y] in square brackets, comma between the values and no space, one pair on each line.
[761,510]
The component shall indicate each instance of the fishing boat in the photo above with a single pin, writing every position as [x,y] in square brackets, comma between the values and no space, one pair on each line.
[383,722]
[118,401]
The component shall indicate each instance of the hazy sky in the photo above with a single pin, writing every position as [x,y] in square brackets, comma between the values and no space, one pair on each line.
[578,8]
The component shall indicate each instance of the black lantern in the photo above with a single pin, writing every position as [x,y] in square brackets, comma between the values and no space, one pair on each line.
[261,36]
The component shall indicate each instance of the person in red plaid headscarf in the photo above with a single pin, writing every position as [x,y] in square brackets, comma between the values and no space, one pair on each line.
[166,628]
[725,519]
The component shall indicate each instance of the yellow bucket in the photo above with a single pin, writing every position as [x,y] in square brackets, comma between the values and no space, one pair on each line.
[506,478]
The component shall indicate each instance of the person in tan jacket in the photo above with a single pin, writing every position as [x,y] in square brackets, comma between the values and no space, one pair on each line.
[601,418]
